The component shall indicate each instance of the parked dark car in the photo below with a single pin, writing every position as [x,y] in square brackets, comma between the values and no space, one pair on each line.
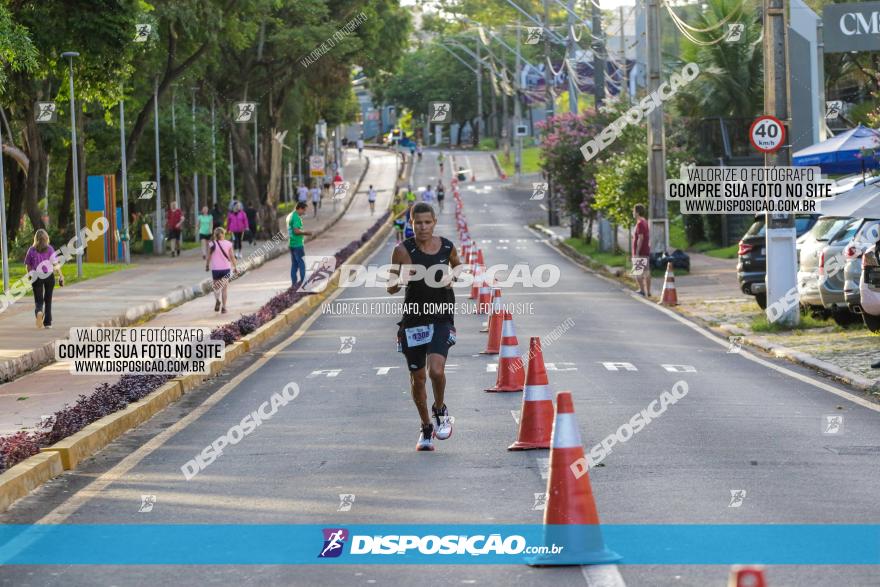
[751,268]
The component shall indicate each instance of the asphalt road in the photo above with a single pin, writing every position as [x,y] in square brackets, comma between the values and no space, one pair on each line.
[744,425]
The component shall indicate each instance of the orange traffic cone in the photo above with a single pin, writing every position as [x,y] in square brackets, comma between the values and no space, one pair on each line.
[670,297]
[536,416]
[746,577]
[570,516]
[511,374]
[495,309]
[478,278]
[480,257]
[484,301]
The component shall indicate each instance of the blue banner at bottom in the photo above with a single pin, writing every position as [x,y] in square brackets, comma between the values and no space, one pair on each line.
[144,544]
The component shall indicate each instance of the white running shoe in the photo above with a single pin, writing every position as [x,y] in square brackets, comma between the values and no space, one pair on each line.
[443,429]
[425,442]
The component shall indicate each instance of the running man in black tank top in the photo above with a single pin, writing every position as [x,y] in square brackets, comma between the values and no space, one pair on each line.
[427,328]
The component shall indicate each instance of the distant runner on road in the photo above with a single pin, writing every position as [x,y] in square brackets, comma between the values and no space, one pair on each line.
[426,330]
[371,198]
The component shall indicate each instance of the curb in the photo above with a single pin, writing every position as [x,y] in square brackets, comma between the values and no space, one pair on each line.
[779,351]
[783,352]
[64,455]
[569,251]
[500,172]
[45,355]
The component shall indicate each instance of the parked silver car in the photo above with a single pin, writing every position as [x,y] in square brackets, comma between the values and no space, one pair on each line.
[830,274]
[867,235]
[811,246]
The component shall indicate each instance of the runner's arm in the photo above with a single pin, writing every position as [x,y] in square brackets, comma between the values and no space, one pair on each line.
[398,257]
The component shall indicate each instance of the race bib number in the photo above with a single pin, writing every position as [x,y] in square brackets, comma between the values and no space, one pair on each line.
[419,335]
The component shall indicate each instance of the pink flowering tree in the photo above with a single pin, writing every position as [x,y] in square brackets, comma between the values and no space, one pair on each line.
[572,176]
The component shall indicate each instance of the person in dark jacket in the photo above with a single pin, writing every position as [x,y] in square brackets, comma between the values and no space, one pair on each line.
[251,213]
[218,215]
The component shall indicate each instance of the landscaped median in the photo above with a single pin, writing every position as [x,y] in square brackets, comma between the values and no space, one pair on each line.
[32,458]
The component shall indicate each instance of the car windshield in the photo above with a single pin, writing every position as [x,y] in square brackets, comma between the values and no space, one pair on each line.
[826,228]
[801,225]
[756,229]
[848,231]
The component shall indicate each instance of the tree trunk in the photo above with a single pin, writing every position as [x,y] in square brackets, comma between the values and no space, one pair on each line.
[244,170]
[268,210]
[17,181]
[35,184]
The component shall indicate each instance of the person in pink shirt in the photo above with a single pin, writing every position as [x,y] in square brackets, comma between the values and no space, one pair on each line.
[221,263]
[40,259]
[237,224]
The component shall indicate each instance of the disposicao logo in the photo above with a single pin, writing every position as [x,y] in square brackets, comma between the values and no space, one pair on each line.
[334,540]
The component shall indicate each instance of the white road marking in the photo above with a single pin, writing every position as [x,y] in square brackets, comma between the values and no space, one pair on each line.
[619,366]
[503,240]
[491,367]
[680,368]
[501,247]
[555,366]
[779,369]
[743,353]
[515,414]
[384,370]
[602,576]
[327,372]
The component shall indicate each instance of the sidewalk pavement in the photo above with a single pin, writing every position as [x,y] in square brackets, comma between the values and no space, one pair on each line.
[25,400]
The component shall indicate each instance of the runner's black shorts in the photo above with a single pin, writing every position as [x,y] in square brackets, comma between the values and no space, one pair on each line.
[417,356]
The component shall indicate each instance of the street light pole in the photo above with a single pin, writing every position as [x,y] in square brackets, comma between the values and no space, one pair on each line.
[231,170]
[174,131]
[517,104]
[195,173]
[75,162]
[159,237]
[126,238]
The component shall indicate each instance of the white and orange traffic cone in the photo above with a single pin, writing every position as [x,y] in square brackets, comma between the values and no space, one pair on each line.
[742,576]
[536,416]
[670,296]
[477,271]
[571,519]
[484,297]
[495,308]
[511,375]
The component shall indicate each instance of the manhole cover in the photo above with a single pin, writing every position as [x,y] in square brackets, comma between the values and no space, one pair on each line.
[854,450]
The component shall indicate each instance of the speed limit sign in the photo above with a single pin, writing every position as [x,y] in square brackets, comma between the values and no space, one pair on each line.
[767,134]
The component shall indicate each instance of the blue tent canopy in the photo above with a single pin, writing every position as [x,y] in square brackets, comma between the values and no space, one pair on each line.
[842,154]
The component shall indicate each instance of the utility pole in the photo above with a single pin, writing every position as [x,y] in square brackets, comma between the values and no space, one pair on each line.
[571,48]
[126,238]
[624,88]
[780,232]
[299,158]
[231,170]
[598,46]
[552,216]
[659,224]
[159,236]
[517,105]
[479,95]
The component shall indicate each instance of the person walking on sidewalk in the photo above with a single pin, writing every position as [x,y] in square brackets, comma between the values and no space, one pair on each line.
[40,259]
[218,216]
[641,247]
[316,198]
[251,233]
[237,223]
[174,222]
[205,223]
[302,193]
[426,330]
[360,146]
[296,243]
[221,263]
[371,198]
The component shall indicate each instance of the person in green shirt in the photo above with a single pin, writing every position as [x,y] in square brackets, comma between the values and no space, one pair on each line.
[206,227]
[397,211]
[296,245]
[410,195]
